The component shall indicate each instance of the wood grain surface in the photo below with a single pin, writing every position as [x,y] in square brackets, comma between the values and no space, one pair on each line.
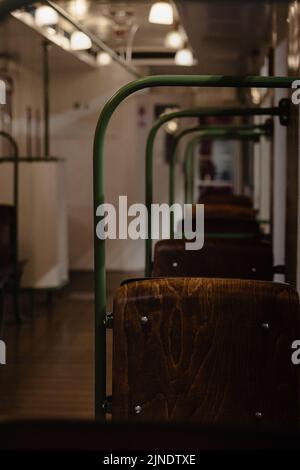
[205,353]
[226,199]
[239,259]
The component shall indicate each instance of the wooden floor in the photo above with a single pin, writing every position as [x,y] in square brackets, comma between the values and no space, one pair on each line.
[49,370]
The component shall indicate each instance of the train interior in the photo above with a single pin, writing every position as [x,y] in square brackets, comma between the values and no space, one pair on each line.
[149,224]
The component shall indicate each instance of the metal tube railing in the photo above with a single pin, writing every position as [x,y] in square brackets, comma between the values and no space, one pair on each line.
[216,81]
[224,134]
[266,127]
[281,111]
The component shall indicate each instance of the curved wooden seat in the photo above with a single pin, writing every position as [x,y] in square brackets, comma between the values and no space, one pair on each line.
[226,219]
[227,211]
[240,259]
[11,269]
[7,217]
[7,221]
[226,226]
[231,199]
[211,191]
[211,351]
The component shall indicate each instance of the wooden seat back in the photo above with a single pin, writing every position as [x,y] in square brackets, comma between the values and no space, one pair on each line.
[240,259]
[231,199]
[211,351]
[7,221]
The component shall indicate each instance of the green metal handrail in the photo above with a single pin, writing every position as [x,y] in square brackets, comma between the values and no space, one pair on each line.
[216,81]
[240,133]
[187,113]
[282,111]
[15,148]
[266,128]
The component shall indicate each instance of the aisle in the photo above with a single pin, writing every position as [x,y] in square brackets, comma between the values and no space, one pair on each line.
[49,370]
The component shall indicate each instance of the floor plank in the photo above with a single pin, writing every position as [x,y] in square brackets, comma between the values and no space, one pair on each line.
[50,359]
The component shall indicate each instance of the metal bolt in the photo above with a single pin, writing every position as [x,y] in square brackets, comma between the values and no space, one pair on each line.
[137,409]
[144,320]
[258,415]
[253,270]
[265,326]
[175,264]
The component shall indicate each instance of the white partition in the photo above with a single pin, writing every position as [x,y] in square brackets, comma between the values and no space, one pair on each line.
[42,221]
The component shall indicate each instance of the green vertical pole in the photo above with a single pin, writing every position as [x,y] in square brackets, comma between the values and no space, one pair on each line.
[46,97]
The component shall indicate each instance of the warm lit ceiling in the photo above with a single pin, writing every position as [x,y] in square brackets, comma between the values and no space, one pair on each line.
[223,35]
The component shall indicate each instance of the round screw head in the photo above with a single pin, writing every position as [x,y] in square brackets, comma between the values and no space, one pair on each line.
[258,415]
[175,264]
[137,409]
[253,270]
[144,320]
[265,326]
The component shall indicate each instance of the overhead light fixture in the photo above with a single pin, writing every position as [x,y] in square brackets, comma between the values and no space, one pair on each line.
[78,8]
[103,58]
[63,41]
[184,57]
[256,95]
[51,31]
[174,39]
[46,16]
[161,13]
[171,127]
[80,41]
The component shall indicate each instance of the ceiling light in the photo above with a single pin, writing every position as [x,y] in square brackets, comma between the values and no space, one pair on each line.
[174,40]
[78,8]
[171,127]
[184,57]
[103,58]
[255,95]
[80,41]
[46,16]
[64,42]
[161,13]
[51,31]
